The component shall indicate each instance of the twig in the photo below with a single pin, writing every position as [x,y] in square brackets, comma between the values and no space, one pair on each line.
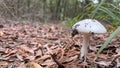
[56,61]
[53,57]
[117,56]
[113,62]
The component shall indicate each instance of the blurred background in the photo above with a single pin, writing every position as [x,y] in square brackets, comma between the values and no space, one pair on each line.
[57,11]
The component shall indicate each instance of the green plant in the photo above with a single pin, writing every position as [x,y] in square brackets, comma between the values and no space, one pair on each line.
[115,33]
[104,11]
[85,12]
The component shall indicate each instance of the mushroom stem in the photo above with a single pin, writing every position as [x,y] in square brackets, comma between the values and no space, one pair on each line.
[84,49]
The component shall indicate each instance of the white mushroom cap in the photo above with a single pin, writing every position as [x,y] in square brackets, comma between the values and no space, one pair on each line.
[89,25]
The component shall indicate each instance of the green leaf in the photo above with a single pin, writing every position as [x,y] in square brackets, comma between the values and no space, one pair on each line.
[97,8]
[109,39]
[109,12]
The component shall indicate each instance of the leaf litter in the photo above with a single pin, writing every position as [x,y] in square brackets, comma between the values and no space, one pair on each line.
[35,45]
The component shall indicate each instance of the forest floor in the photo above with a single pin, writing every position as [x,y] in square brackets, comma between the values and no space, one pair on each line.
[33,45]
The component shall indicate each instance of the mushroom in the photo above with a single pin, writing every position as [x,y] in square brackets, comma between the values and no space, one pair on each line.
[87,27]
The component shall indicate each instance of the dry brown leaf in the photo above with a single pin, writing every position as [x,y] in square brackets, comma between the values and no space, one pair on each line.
[1,33]
[19,57]
[27,49]
[116,59]
[71,59]
[22,66]
[48,49]
[39,53]
[30,57]
[105,63]
[17,37]
[2,63]
[2,50]
[118,50]
[118,62]
[48,62]
[72,66]
[11,52]
[104,56]
[33,65]
[43,58]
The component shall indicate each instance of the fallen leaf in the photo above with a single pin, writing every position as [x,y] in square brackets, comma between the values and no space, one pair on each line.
[1,33]
[43,58]
[19,57]
[22,65]
[71,59]
[118,50]
[33,65]
[105,63]
[48,62]
[11,52]
[30,57]
[27,49]
[2,63]
[118,62]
